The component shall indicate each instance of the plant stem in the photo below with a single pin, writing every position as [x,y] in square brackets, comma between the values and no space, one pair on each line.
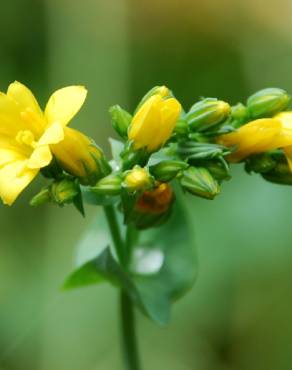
[131,239]
[115,233]
[124,251]
[129,340]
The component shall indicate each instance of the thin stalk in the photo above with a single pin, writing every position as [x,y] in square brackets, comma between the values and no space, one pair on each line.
[115,233]
[129,339]
[128,325]
[132,236]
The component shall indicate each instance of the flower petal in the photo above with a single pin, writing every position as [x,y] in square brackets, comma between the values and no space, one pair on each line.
[10,119]
[64,104]
[14,177]
[53,135]
[23,97]
[40,157]
[7,156]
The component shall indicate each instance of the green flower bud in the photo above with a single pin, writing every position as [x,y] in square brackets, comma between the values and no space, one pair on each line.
[239,115]
[109,185]
[280,174]
[137,179]
[192,150]
[199,181]
[260,163]
[121,120]
[207,113]
[165,171]
[267,102]
[182,127]
[218,170]
[64,191]
[44,196]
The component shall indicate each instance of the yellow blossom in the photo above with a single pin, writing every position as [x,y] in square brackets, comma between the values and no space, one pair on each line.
[137,179]
[261,135]
[27,133]
[154,121]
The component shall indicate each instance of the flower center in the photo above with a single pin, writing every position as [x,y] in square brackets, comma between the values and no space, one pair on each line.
[26,137]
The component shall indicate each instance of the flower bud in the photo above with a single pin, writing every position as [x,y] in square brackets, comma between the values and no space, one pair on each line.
[218,170]
[207,113]
[153,207]
[260,163]
[78,155]
[64,191]
[280,174]
[162,91]
[137,179]
[154,122]
[121,120]
[267,102]
[44,196]
[239,115]
[198,181]
[182,127]
[109,185]
[167,170]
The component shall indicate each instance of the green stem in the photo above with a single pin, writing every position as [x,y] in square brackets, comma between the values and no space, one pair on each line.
[115,233]
[124,251]
[129,339]
[131,239]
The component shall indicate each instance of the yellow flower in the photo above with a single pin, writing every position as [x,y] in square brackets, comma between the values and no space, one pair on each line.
[27,134]
[79,156]
[137,179]
[260,136]
[154,121]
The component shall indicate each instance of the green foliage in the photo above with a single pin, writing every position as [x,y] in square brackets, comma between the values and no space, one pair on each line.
[152,291]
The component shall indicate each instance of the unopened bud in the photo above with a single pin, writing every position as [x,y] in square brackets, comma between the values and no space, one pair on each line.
[207,113]
[165,171]
[137,179]
[121,120]
[260,163]
[280,174]
[182,128]
[218,170]
[267,102]
[163,91]
[64,191]
[198,181]
[42,197]
[239,115]
[109,185]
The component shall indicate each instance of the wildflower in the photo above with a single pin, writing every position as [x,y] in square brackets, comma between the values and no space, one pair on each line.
[137,179]
[154,122]
[79,156]
[28,136]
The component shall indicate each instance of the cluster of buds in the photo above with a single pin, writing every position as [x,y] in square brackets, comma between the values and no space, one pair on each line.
[262,136]
[162,147]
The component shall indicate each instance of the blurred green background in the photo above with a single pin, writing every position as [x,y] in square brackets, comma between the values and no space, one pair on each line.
[239,314]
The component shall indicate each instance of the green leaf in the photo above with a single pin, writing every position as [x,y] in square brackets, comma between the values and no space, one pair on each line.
[103,267]
[178,271]
[78,202]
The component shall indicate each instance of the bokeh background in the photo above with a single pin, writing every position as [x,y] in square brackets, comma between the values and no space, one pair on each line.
[239,314]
